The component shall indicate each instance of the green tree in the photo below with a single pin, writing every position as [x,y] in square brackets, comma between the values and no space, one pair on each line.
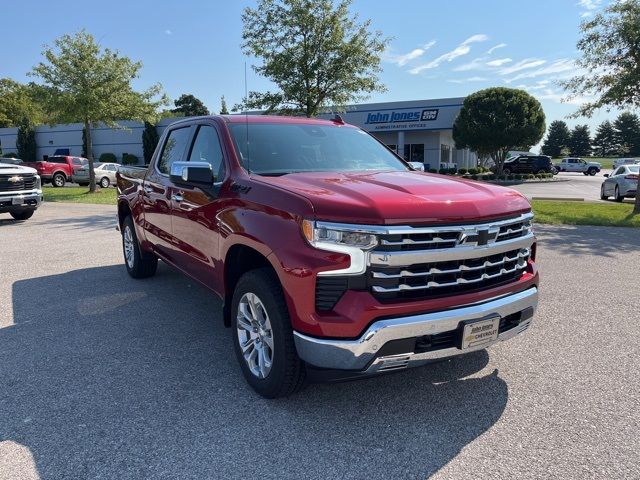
[150,140]
[627,133]
[314,51]
[190,106]
[604,142]
[580,141]
[610,60]
[93,85]
[19,101]
[223,106]
[26,141]
[494,120]
[557,138]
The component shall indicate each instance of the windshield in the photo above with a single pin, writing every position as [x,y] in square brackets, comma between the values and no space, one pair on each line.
[278,149]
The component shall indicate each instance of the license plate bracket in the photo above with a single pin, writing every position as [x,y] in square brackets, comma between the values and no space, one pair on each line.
[17,201]
[476,333]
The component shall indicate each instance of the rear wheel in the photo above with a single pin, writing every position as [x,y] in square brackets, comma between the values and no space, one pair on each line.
[139,264]
[263,336]
[58,180]
[617,196]
[24,215]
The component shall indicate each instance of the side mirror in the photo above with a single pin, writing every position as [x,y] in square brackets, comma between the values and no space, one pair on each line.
[192,174]
[606,175]
[417,166]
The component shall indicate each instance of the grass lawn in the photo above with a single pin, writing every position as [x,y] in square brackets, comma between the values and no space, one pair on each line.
[105,196]
[585,213]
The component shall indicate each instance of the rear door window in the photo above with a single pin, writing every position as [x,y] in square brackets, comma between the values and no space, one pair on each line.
[173,149]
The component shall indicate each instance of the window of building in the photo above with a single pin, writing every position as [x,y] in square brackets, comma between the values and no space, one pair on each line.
[414,152]
[445,153]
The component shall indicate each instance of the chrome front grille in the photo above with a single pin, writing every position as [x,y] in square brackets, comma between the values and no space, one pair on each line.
[16,183]
[423,262]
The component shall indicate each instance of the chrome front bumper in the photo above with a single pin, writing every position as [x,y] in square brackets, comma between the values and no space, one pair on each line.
[361,354]
[28,197]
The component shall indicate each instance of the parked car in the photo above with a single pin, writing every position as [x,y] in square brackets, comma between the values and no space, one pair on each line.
[333,257]
[20,190]
[623,182]
[625,161]
[11,161]
[528,164]
[574,164]
[57,169]
[105,174]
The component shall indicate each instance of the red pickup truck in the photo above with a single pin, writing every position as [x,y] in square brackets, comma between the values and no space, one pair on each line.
[333,257]
[57,169]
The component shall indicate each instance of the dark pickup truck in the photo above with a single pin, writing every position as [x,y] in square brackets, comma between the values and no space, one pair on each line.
[333,257]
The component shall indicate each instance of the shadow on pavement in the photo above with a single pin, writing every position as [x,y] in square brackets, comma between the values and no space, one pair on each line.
[94,222]
[589,240]
[102,376]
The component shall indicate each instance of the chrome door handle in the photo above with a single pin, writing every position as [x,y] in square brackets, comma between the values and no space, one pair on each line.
[176,197]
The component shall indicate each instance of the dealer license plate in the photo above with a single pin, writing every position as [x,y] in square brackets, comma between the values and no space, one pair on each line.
[17,201]
[480,332]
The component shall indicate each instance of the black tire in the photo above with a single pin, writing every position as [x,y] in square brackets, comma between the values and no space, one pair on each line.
[592,171]
[104,182]
[287,372]
[617,197]
[506,171]
[23,215]
[142,264]
[585,173]
[58,180]
[602,195]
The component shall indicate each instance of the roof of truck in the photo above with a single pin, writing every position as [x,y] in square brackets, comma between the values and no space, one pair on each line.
[240,118]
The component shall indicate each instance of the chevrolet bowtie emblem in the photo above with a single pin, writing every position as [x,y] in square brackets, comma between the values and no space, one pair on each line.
[14,179]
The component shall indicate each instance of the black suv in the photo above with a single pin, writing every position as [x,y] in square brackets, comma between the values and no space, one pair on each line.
[529,164]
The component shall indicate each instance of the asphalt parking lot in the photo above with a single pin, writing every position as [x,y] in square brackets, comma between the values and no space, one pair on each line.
[573,185]
[103,376]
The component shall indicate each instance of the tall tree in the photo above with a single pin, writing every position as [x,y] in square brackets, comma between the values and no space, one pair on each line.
[93,85]
[610,59]
[604,142]
[150,140]
[316,53]
[190,106]
[557,138]
[26,141]
[495,120]
[580,141]
[19,101]
[223,106]
[627,133]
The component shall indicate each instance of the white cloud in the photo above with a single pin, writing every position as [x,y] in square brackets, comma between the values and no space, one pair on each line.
[588,7]
[168,32]
[470,79]
[403,59]
[557,67]
[522,65]
[499,62]
[463,49]
[496,47]
[475,64]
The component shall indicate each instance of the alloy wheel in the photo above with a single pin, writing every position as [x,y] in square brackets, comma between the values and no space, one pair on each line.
[129,246]
[255,335]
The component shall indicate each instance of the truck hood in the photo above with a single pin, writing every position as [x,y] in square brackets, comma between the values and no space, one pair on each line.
[9,169]
[400,197]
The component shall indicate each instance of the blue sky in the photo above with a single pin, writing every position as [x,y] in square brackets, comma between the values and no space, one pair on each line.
[439,48]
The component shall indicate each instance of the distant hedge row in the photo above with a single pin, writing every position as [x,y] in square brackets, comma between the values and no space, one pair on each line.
[127,158]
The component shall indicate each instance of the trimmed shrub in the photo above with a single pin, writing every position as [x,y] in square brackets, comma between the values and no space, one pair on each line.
[108,158]
[129,159]
[442,171]
[433,170]
[451,171]
[473,171]
[462,171]
[11,155]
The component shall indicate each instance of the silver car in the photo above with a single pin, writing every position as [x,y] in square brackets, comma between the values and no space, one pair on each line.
[623,182]
[105,174]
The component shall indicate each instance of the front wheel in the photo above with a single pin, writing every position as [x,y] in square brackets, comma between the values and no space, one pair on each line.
[506,171]
[602,194]
[104,182]
[24,215]
[263,336]
[59,180]
[592,171]
[139,264]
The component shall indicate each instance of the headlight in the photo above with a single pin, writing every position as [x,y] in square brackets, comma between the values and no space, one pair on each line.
[38,182]
[341,239]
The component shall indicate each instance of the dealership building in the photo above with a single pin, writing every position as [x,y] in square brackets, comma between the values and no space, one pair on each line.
[419,130]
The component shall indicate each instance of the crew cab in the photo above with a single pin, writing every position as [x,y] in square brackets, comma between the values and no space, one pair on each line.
[334,259]
[58,169]
[20,191]
[579,165]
